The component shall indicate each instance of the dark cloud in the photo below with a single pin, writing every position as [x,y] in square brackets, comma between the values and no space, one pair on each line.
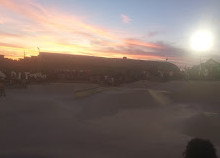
[153,33]
[171,51]
[163,50]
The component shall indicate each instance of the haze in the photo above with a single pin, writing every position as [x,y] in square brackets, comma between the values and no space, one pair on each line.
[149,30]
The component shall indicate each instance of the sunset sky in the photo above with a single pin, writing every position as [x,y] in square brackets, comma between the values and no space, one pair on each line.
[139,29]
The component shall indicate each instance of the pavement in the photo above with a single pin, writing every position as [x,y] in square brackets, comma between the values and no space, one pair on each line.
[142,119]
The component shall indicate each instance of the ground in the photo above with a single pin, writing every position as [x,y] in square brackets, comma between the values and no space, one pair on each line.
[142,119]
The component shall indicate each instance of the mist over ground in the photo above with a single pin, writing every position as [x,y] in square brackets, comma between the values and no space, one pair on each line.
[142,119]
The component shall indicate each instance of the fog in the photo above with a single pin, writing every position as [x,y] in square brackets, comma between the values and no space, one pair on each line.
[141,120]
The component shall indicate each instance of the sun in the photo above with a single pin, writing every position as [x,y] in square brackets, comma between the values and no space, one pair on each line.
[201,40]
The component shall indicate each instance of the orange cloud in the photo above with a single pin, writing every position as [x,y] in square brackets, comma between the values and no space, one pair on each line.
[54,31]
[2,20]
[121,54]
[9,35]
[10,45]
[145,44]
[54,20]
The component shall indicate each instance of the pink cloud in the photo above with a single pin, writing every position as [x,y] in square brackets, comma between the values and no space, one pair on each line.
[2,21]
[53,20]
[142,43]
[53,30]
[10,45]
[125,19]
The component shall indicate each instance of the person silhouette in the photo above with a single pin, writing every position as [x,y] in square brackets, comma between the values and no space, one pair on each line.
[200,148]
[2,89]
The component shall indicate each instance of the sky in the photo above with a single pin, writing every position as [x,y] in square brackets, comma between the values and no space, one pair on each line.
[137,29]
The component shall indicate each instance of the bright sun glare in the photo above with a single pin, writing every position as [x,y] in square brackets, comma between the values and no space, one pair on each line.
[202,41]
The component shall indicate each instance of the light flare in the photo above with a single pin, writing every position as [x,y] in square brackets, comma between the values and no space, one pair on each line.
[202,40]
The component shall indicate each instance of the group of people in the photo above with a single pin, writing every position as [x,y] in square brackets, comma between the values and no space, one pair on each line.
[2,89]
[196,148]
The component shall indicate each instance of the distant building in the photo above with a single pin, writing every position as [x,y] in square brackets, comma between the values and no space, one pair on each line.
[124,58]
[26,58]
[34,57]
[211,63]
[210,70]
[2,57]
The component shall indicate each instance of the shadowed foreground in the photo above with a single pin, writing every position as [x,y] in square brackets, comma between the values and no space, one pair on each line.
[137,120]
